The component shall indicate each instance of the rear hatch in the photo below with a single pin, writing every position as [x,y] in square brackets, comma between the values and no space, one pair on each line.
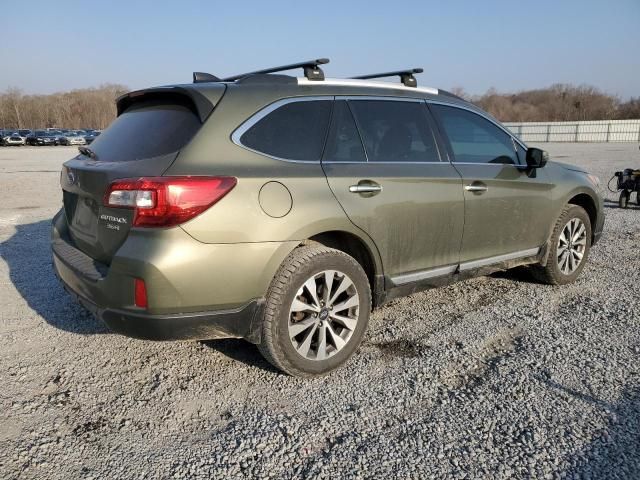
[144,140]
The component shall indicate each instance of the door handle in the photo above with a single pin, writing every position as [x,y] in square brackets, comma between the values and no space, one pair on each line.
[476,187]
[365,187]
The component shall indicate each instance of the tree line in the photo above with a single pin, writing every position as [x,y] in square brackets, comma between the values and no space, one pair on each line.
[95,107]
[557,103]
[83,108]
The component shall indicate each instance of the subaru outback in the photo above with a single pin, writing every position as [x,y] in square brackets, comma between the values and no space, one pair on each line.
[281,210]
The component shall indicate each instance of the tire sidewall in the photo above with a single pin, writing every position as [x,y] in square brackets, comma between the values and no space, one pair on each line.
[327,261]
[569,214]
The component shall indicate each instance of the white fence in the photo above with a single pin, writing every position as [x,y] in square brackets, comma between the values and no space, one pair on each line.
[593,131]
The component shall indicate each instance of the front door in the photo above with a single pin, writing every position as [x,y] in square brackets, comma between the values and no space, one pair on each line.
[395,188]
[507,208]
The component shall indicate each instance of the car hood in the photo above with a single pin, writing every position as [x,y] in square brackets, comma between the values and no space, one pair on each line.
[568,166]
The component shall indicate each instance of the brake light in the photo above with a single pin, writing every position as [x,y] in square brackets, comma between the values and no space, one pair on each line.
[140,293]
[167,201]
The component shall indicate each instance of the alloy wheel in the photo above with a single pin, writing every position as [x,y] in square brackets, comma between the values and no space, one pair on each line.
[572,244]
[323,315]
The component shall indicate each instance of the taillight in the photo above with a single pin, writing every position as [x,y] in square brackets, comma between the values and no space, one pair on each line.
[167,201]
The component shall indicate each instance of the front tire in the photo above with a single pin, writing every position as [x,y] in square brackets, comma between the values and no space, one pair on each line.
[316,313]
[569,248]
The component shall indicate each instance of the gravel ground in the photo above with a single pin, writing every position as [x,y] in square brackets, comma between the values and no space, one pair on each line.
[495,377]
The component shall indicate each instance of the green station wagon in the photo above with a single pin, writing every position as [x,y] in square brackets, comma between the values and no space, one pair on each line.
[281,210]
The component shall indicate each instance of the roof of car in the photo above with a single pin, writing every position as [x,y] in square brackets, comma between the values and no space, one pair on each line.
[270,87]
[275,85]
[270,84]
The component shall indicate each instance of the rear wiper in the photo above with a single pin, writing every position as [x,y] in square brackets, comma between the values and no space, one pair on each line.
[87,151]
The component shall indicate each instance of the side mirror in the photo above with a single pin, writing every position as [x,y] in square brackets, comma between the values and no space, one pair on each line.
[536,158]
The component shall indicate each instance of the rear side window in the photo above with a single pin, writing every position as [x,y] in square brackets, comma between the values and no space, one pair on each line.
[473,138]
[293,131]
[395,131]
[343,144]
[147,129]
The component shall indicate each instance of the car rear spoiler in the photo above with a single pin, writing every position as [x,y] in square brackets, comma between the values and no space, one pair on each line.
[200,103]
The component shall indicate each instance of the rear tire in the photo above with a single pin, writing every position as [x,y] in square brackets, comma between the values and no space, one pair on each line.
[569,248]
[317,311]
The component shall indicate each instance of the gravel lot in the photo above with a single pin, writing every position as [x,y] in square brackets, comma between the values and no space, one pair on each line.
[495,377]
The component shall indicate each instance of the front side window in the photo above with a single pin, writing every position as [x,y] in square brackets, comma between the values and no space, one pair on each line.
[474,139]
[343,143]
[293,131]
[395,131]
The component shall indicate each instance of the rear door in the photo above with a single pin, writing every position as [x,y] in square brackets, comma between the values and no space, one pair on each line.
[143,141]
[396,188]
[507,208]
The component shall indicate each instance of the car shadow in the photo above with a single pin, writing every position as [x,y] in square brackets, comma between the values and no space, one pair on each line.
[520,274]
[617,207]
[28,257]
[632,205]
[241,351]
[613,451]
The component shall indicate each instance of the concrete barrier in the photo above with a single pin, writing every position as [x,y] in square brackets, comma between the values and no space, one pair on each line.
[590,131]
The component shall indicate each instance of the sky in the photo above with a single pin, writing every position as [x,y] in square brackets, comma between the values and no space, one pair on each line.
[509,45]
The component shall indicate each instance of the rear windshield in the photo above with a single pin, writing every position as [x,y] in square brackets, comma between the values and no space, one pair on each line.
[147,129]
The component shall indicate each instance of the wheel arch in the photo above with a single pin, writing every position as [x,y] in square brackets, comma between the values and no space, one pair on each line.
[355,246]
[587,202]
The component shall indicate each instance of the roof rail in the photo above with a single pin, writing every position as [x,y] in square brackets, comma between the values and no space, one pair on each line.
[406,76]
[311,70]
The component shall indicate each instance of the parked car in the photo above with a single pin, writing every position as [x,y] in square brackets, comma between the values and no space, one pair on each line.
[55,134]
[90,137]
[13,139]
[24,132]
[281,209]
[70,138]
[40,138]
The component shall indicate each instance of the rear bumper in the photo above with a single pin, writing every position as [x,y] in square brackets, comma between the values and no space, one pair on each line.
[236,323]
[196,291]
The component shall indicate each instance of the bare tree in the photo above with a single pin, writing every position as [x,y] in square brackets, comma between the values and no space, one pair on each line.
[95,107]
[558,102]
[84,108]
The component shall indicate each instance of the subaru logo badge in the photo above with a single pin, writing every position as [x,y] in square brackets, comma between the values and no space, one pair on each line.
[71,176]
